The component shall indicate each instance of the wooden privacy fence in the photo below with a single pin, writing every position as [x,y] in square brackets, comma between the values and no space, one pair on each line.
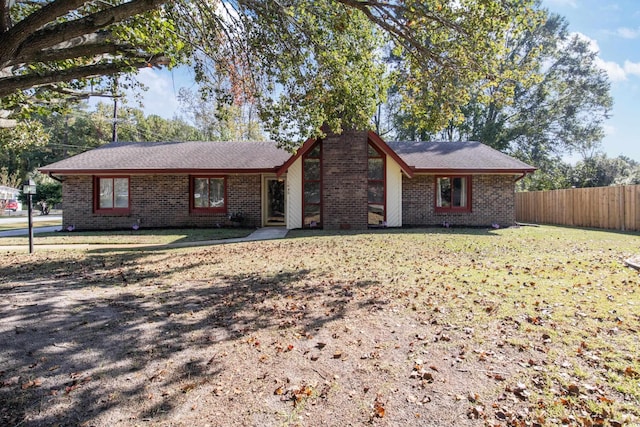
[616,208]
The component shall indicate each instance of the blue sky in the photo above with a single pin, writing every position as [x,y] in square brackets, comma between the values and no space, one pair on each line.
[612,27]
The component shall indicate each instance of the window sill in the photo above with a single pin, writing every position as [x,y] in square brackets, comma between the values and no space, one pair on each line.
[112,212]
[452,210]
[208,211]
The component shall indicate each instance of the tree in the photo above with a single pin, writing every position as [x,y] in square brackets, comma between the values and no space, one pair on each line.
[630,172]
[16,146]
[52,49]
[48,195]
[303,62]
[9,180]
[48,138]
[560,109]
[134,126]
[221,121]
[600,171]
[323,63]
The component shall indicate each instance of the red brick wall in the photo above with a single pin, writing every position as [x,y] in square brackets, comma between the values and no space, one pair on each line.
[344,181]
[163,200]
[492,202]
[159,201]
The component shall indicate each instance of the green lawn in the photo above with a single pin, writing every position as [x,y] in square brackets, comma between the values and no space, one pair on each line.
[530,326]
[129,237]
[15,226]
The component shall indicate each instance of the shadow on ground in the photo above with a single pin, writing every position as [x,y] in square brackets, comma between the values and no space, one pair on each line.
[95,332]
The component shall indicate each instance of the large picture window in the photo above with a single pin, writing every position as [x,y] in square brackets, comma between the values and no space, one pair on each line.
[312,187]
[453,193]
[209,193]
[111,194]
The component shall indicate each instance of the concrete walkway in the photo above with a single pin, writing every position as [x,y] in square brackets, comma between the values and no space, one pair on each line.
[633,262]
[267,233]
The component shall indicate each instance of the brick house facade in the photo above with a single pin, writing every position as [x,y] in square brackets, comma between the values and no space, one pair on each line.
[158,201]
[354,180]
[493,202]
[344,184]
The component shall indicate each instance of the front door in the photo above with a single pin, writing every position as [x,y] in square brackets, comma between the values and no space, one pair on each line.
[274,202]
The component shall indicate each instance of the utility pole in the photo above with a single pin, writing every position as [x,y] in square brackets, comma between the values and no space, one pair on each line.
[114,94]
[114,136]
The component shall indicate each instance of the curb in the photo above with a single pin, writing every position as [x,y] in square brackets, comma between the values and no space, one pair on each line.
[258,235]
[633,263]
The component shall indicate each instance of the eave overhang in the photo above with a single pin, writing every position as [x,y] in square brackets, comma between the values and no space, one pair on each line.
[157,171]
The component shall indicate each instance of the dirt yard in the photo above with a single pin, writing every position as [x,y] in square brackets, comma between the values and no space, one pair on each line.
[517,327]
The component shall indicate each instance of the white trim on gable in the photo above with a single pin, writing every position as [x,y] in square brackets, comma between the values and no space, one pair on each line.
[294,195]
[394,193]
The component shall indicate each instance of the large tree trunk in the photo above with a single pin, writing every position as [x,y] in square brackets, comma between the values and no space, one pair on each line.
[38,38]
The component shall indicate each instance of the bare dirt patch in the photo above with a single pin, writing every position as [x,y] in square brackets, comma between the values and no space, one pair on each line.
[449,328]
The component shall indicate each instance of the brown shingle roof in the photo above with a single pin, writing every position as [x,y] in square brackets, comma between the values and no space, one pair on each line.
[174,156]
[211,157]
[456,156]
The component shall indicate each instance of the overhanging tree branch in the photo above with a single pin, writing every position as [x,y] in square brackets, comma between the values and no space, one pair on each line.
[11,38]
[9,85]
[51,36]
[83,50]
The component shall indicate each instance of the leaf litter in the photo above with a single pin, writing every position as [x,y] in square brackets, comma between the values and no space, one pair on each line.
[421,327]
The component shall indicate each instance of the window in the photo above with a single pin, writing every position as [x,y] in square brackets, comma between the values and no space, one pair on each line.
[209,194]
[376,187]
[312,187]
[111,194]
[453,193]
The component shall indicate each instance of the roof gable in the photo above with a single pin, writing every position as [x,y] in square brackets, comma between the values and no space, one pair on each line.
[372,137]
[308,144]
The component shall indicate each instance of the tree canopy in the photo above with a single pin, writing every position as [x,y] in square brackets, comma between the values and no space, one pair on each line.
[560,110]
[301,62]
[53,51]
[45,139]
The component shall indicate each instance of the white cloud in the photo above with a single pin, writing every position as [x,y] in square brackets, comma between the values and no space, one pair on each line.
[159,98]
[615,71]
[593,44]
[628,33]
[632,68]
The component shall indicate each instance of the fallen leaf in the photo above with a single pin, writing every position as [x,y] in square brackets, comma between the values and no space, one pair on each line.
[188,387]
[573,390]
[498,377]
[475,412]
[378,408]
[34,383]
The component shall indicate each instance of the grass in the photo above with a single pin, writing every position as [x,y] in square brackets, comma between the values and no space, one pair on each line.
[521,326]
[20,225]
[129,237]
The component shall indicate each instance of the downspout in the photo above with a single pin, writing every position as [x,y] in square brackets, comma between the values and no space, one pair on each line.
[522,176]
[55,177]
